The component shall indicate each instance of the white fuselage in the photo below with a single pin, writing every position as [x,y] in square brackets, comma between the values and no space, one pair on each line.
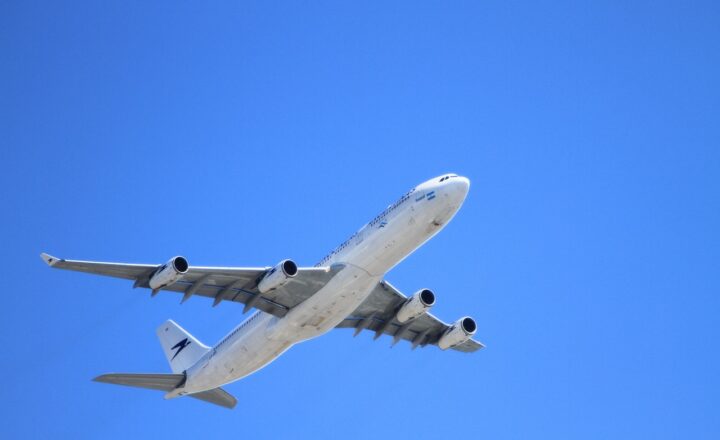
[367,255]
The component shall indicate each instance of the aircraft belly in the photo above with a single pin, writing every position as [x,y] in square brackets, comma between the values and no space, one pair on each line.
[243,358]
[329,306]
[391,246]
[255,358]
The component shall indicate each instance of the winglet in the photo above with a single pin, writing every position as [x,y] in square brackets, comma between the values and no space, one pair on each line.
[49,259]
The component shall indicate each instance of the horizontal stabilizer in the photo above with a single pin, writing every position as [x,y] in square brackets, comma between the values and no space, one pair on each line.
[162,382]
[218,396]
[167,382]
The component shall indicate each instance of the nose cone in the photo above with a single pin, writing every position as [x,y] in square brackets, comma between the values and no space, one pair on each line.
[463,184]
[453,189]
[459,187]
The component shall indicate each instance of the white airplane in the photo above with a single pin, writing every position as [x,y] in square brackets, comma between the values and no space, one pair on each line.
[345,290]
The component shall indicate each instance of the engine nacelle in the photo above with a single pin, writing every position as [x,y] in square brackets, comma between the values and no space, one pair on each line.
[418,304]
[460,332]
[278,276]
[168,273]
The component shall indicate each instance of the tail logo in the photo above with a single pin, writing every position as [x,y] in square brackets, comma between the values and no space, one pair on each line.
[180,347]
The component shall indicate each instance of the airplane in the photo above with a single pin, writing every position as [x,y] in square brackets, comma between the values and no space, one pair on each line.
[346,289]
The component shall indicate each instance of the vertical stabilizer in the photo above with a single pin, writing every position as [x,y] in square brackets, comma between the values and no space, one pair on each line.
[181,348]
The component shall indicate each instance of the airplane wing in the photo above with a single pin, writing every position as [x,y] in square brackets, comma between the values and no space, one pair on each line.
[238,284]
[377,314]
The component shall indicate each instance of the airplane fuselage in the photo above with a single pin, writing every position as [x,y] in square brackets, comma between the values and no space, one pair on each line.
[366,256]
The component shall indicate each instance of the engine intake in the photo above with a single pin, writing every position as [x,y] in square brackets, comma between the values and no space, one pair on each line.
[169,273]
[417,305]
[278,276]
[461,331]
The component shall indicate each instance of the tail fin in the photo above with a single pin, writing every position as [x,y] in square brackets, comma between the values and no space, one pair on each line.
[181,348]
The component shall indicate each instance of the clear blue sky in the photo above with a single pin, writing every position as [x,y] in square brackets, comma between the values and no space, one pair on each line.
[241,133]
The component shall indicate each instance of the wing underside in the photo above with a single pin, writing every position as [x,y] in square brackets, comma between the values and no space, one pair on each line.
[377,314]
[239,284]
[236,284]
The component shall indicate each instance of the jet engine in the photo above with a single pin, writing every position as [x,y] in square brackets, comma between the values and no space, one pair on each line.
[460,332]
[168,273]
[278,276]
[418,304]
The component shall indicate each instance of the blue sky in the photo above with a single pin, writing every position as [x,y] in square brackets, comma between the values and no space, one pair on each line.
[241,133]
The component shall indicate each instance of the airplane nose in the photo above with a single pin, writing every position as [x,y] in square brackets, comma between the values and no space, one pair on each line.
[457,189]
[459,185]
[454,190]
[463,183]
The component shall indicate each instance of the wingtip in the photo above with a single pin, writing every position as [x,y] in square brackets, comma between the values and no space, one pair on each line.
[101,378]
[49,259]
